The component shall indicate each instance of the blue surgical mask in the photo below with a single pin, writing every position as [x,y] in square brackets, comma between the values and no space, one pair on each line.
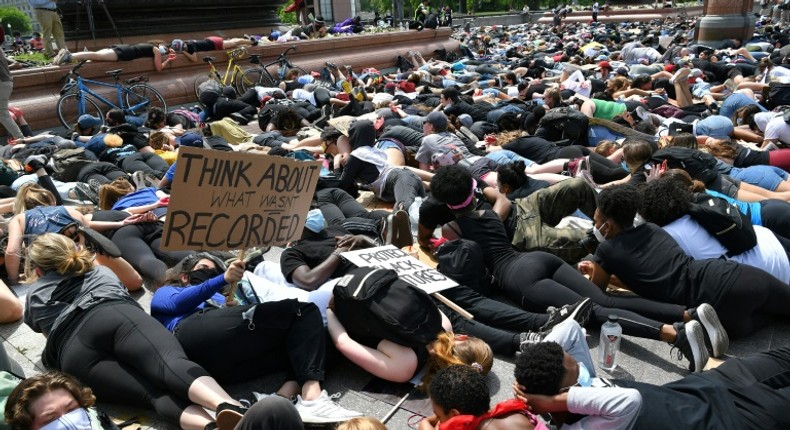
[163,50]
[78,419]
[315,221]
[584,379]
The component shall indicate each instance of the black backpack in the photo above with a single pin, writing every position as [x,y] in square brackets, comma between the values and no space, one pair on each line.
[564,123]
[701,166]
[462,261]
[725,222]
[67,163]
[375,304]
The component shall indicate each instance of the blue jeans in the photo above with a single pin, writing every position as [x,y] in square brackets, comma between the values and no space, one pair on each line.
[508,157]
[569,335]
[716,126]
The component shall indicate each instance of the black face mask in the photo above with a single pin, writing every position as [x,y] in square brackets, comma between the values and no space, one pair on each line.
[199,276]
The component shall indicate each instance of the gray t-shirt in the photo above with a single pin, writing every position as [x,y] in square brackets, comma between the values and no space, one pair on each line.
[440,143]
[5,73]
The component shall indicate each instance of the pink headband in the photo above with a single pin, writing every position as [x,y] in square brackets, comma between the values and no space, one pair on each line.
[468,200]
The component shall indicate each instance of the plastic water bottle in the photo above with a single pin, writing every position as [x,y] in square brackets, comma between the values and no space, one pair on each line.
[611,333]
[401,27]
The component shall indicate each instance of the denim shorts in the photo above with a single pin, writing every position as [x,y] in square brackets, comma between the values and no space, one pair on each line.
[768,177]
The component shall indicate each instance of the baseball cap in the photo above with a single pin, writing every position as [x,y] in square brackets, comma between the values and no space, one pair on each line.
[605,65]
[466,120]
[622,71]
[437,119]
[86,121]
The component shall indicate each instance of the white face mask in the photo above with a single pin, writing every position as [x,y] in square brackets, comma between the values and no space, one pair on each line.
[598,235]
[77,419]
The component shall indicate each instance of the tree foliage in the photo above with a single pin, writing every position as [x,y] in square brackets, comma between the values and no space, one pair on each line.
[18,20]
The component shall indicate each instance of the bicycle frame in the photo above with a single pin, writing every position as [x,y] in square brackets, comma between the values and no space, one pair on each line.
[81,88]
[228,78]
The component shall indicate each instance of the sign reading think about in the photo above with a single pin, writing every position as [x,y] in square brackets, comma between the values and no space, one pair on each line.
[409,269]
[232,200]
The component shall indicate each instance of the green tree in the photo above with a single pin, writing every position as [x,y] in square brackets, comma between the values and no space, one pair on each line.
[18,20]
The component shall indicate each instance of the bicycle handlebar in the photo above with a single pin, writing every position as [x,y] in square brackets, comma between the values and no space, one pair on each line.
[73,70]
[293,48]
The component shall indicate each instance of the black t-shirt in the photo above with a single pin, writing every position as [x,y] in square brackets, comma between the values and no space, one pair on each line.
[649,261]
[719,70]
[114,155]
[746,157]
[405,135]
[312,252]
[434,213]
[530,187]
[535,148]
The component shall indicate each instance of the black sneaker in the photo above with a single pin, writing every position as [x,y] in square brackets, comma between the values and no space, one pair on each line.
[98,242]
[690,343]
[715,334]
[240,118]
[528,338]
[401,230]
[85,193]
[580,312]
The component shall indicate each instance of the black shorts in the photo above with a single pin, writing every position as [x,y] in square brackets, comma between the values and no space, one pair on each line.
[124,52]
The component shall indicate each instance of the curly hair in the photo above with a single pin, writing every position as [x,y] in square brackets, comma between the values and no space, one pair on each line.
[620,203]
[539,368]
[17,410]
[512,175]
[461,388]
[450,185]
[664,200]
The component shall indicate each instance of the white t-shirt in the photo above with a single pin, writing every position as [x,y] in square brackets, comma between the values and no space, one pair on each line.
[768,255]
[778,129]
[761,119]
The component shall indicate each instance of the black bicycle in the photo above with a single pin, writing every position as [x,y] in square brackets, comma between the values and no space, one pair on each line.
[265,75]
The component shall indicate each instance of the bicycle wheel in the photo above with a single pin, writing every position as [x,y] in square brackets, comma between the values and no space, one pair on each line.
[252,78]
[142,97]
[201,84]
[68,111]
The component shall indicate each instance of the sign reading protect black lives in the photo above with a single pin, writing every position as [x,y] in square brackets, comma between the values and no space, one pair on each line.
[235,200]
[409,269]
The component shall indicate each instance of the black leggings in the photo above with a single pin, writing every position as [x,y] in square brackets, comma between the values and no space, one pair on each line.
[537,280]
[127,357]
[776,216]
[755,300]
[498,324]
[282,335]
[101,171]
[605,170]
[226,107]
[139,245]
[147,162]
[338,206]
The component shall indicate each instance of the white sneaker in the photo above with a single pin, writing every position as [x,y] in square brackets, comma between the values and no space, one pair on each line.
[323,410]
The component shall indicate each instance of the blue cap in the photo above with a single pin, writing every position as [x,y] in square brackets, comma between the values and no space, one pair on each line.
[87,121]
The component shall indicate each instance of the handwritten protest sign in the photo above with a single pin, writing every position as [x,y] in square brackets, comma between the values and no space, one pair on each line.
[409,269]
[233,200]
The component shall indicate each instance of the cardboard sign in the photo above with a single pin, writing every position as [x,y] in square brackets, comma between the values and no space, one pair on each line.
[233,200]
[409,268]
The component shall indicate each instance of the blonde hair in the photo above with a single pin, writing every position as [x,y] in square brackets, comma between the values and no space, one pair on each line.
[468,350]
[362,423]
[109,194]
[619,83]
[32,195]
[56,252]
[605,147]
[158,139]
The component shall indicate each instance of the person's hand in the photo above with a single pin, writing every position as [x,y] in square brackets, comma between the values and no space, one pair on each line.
[235,272]
[164,201]
[140,218]
[12,141]
[171,57]
[231,302]
[350,242]
[586,267]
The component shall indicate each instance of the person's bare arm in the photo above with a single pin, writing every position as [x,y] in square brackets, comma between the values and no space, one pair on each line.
[502,205]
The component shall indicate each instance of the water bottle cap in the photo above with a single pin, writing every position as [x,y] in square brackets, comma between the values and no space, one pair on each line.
[613,318]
